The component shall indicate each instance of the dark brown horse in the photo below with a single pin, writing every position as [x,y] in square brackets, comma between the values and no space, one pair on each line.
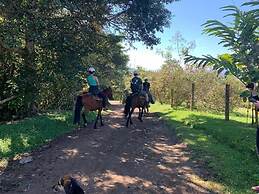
[133,102]
[91,103]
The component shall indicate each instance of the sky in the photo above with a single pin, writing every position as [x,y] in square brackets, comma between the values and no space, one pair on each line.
[187,18]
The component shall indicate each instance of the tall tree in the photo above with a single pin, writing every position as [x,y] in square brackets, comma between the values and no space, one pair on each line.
[43,42]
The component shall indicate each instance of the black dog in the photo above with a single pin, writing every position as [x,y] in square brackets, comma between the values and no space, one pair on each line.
[69,184]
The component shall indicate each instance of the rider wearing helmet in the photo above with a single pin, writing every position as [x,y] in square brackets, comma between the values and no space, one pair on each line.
[94,85]
[146,89]
[136,83]
[92,81]
[146,85]
[136,88]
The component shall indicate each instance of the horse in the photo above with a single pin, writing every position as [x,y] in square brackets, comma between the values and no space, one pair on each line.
[91,103]
[150,100]
[135,101]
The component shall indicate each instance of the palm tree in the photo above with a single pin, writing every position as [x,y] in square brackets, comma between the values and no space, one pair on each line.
[240,38]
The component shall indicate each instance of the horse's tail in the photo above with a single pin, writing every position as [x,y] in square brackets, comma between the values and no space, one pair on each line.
[127,106]
[78,108]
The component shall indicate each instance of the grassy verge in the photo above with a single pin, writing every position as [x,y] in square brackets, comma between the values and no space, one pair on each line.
[227,149]
[30,133]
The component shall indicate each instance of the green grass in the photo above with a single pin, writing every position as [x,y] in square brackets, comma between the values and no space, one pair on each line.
[226,148]
[31,133]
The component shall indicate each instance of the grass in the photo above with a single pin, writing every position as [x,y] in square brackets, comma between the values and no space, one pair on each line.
[30,133]
[226,148]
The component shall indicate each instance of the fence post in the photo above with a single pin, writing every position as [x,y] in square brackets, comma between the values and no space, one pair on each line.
[256,116]
[253,115]
[192,96]
[172,98]
[227,91]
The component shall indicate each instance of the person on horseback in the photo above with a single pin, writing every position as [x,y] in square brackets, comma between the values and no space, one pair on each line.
[136,83]
[136,89]
[93,83]
[146,89]
[254,98]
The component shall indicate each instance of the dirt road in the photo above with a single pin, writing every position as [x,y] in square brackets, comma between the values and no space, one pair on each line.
[145,158]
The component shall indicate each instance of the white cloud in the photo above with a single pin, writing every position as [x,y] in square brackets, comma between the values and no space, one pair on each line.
[146,58]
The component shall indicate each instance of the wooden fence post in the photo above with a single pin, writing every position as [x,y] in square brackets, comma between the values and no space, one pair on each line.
[227,92]
[192,97]
[256,116]
[253,115]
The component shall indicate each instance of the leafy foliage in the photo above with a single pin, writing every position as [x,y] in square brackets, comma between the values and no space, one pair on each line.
[172,84]
[46,46]
[240,38]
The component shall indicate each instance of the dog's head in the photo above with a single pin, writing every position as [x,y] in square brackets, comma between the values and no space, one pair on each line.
[63,182]
[69,185]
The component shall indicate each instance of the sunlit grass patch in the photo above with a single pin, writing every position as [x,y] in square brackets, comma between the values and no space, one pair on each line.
[225,148]
[5,144]
[30,133]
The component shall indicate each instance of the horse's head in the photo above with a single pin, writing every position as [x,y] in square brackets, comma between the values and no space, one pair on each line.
[108,92]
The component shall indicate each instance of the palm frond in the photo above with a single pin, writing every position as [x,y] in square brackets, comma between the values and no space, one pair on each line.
[251,3]
[231,8]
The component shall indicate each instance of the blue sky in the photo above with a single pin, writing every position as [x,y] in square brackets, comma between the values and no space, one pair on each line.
[188,16]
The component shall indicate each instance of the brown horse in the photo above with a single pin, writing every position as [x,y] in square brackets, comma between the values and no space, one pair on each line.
[135,101]
[91,103]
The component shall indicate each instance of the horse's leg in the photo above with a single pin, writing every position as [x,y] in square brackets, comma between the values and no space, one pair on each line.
[96,120]
[129,117]
[127,123]
[101,118]
[84,119]
[141,114]
[131,112]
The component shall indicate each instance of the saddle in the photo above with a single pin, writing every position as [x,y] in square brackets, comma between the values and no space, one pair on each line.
[97,98]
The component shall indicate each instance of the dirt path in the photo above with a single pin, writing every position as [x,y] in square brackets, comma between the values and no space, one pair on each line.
[111,159]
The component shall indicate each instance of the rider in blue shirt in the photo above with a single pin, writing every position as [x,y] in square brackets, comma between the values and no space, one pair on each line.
[93,83]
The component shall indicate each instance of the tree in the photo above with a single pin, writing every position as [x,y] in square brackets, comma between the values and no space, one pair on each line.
[240,38]
[46,46]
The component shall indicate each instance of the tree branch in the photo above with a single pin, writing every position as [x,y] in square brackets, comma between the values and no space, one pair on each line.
[7,100]
[5,48]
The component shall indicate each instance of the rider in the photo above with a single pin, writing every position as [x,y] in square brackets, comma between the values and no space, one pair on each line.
[136,88]
[146,89]
[136,83]
[254,98]
[93,83]
[146,85]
